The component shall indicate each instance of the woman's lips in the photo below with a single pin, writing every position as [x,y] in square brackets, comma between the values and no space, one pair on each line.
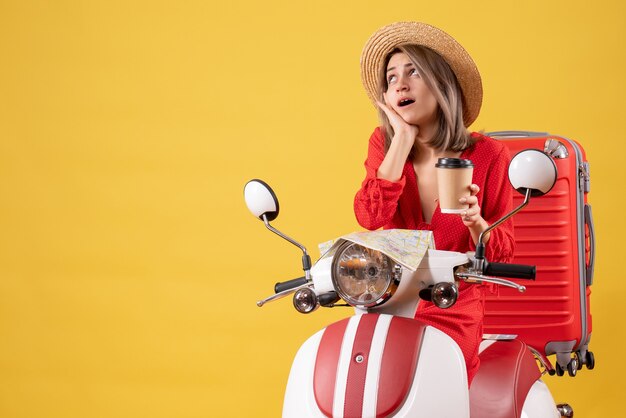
[405,102]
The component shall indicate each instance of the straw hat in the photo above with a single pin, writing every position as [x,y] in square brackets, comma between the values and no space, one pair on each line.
[389,37]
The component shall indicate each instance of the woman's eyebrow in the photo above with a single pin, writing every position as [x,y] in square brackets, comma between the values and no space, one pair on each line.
[410,64]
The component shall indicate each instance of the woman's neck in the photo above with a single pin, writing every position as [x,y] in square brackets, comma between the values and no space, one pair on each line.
[423,138]
[425,153]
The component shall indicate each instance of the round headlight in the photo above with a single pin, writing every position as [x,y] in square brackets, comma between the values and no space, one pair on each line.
[362,276]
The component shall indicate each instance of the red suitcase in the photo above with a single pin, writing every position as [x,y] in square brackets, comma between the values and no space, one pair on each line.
[555,233]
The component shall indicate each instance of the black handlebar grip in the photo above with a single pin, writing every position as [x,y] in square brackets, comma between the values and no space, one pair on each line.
[513,271]
[289,284]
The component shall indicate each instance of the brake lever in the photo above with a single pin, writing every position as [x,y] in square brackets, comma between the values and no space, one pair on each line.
[280,295]
[480,278]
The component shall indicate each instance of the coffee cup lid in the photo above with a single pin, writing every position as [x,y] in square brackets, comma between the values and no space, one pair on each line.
[454,163]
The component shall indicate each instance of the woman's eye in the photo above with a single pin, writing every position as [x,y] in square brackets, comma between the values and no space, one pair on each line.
[391,79]
[413,71]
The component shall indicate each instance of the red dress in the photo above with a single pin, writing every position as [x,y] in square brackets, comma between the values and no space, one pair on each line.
[382,203]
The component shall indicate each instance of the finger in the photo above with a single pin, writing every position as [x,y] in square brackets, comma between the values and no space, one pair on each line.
[474,189]
[471,213]
[467,214]
[385,101]
[386,108]
[469,200]
[389,112]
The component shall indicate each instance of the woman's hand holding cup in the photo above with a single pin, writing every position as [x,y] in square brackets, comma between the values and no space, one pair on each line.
[471,216]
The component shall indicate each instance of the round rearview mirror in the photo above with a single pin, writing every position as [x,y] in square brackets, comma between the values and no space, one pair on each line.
[261,200]
[532,169]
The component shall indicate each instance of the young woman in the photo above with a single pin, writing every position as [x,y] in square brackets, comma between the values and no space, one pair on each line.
[428,91]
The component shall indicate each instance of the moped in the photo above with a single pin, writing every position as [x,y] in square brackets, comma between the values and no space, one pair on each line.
[381,361]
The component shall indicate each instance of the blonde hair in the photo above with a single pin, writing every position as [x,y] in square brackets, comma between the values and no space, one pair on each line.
[450,133]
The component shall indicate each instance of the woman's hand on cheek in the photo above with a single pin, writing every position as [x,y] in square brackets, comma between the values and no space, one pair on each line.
[399,125]
[402,142]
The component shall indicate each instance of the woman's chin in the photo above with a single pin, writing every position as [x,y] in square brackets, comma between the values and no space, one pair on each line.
[410,119]
[423,122]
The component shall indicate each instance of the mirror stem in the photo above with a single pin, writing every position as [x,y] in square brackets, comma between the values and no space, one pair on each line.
[306,260]
[479,259]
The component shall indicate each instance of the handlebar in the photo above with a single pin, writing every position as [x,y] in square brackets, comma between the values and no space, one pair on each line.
[289,284]
[514,271]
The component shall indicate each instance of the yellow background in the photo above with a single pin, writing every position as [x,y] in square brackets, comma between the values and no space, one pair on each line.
[129,265]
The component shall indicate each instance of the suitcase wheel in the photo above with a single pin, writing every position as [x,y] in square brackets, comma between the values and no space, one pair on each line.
[590,360]
[559,370]
[575,363]
[580,360]
[572,367]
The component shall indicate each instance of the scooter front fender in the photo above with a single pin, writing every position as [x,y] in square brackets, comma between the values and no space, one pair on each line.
[436,384]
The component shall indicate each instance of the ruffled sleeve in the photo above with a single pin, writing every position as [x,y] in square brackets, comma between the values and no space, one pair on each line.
[377,200]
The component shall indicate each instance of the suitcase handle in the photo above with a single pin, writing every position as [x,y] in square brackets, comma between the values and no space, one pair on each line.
[592,245]
[517,134]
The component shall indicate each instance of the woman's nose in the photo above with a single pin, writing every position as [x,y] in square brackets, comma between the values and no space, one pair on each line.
[401,85]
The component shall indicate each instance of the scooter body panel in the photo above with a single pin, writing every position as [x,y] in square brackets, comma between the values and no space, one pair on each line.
[299,396]
[539,403]
[435,386]
[507,384]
